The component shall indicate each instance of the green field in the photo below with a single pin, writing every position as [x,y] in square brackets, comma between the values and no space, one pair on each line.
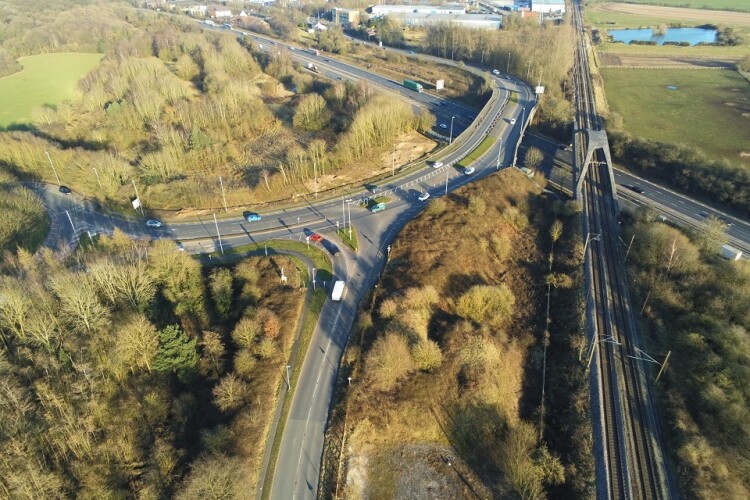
[741,5]
[704,112]
[45,79]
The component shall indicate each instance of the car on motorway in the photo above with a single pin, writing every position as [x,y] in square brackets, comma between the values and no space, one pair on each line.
[437,164]
[495,72]
[443,126]
[65,190]
[331,247]
[411,52]
[375,189]
[327,60]
[468,170]
[153,223]
[637,189]
[726,221]
[315,237]
[512,121]
[424,196]
[703,214]
[252,217]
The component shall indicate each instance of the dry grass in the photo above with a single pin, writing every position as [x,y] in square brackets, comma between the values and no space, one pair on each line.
[675,14]
[428,416]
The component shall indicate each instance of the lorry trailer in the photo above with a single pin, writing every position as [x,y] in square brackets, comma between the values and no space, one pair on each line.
[338,291]
[413,86]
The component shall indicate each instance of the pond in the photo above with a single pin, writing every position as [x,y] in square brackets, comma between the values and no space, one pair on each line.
[690,35]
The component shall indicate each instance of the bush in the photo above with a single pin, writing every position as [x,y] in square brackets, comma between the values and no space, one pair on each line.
[487,304]
[388,362]
[477,205]
[427,355]
[436,207]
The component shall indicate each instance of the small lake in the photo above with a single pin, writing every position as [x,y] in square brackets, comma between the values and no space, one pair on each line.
[691,35]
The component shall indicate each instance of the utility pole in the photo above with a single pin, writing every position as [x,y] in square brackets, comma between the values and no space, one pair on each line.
[446,181]
[53,168]
[393,161]
[343,211]
[221,246]
[450,141]
[140,204]
[663,367]
[500,151]
[507,67]
[313,271]
[288,381]
[349,209]
[315,174]
[628,251]
[223,195]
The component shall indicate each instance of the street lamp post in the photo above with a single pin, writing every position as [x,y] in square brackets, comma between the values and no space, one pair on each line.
[53,168]
[450,141]
[590,237]
[507,66]
[313,271]
[349,209]
[288,380]
[499,152]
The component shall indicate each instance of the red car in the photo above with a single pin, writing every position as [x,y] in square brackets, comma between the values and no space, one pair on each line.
[316,237]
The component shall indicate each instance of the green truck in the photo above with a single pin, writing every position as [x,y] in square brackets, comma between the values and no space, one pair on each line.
[413,86]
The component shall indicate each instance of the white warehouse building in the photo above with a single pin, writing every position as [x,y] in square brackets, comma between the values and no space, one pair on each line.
[384,10]
[479,21]
[548,6]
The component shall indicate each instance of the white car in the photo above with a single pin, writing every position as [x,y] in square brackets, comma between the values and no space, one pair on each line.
[153,223]
[437,164]
[424,196]
[443,126]
[495,72]
[468,170]
[512,121]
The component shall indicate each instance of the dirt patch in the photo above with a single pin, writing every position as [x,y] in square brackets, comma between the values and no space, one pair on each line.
[412,471]
[678,13]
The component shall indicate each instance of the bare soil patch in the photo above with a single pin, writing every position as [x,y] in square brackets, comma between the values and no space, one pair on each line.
[678,13]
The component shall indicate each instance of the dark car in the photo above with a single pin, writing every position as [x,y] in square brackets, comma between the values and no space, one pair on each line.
[726,221]
[637,189]
[331,247]
[65,190]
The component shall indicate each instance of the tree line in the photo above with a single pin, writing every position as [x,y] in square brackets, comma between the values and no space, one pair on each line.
[695,304]
[129,370]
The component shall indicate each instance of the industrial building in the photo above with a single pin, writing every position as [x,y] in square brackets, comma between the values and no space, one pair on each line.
[387,10]
[349,18]
[548,6]
[479,21]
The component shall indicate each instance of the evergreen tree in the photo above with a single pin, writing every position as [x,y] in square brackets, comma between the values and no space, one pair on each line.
[177,353]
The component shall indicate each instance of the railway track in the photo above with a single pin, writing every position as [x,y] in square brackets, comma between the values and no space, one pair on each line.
[632,462]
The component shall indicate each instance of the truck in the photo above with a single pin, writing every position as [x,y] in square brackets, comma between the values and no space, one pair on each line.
[312,67]
[413,86]
[315,52]
[338,291]
[209,22]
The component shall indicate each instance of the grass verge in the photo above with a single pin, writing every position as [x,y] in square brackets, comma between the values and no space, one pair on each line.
[477,153]
[312,252]
[513,97]
[317,300]
[46,80]
[352,242]
[704,111]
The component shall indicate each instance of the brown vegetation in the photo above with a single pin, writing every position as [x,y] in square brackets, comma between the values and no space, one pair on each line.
[444,352]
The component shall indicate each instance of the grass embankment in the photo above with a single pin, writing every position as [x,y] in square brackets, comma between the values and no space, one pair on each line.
[46,80]
[352,242]
[696,305]
[442,390]
[708,110]
[477,153]
[313,252]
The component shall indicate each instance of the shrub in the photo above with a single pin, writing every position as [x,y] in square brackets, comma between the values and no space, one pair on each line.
[388,362]
[486,304]
[477,205]
[427,355]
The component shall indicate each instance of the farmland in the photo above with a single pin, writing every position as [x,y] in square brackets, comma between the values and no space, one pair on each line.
[708,110]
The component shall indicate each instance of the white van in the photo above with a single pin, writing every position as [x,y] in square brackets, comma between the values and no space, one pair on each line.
[437,164]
